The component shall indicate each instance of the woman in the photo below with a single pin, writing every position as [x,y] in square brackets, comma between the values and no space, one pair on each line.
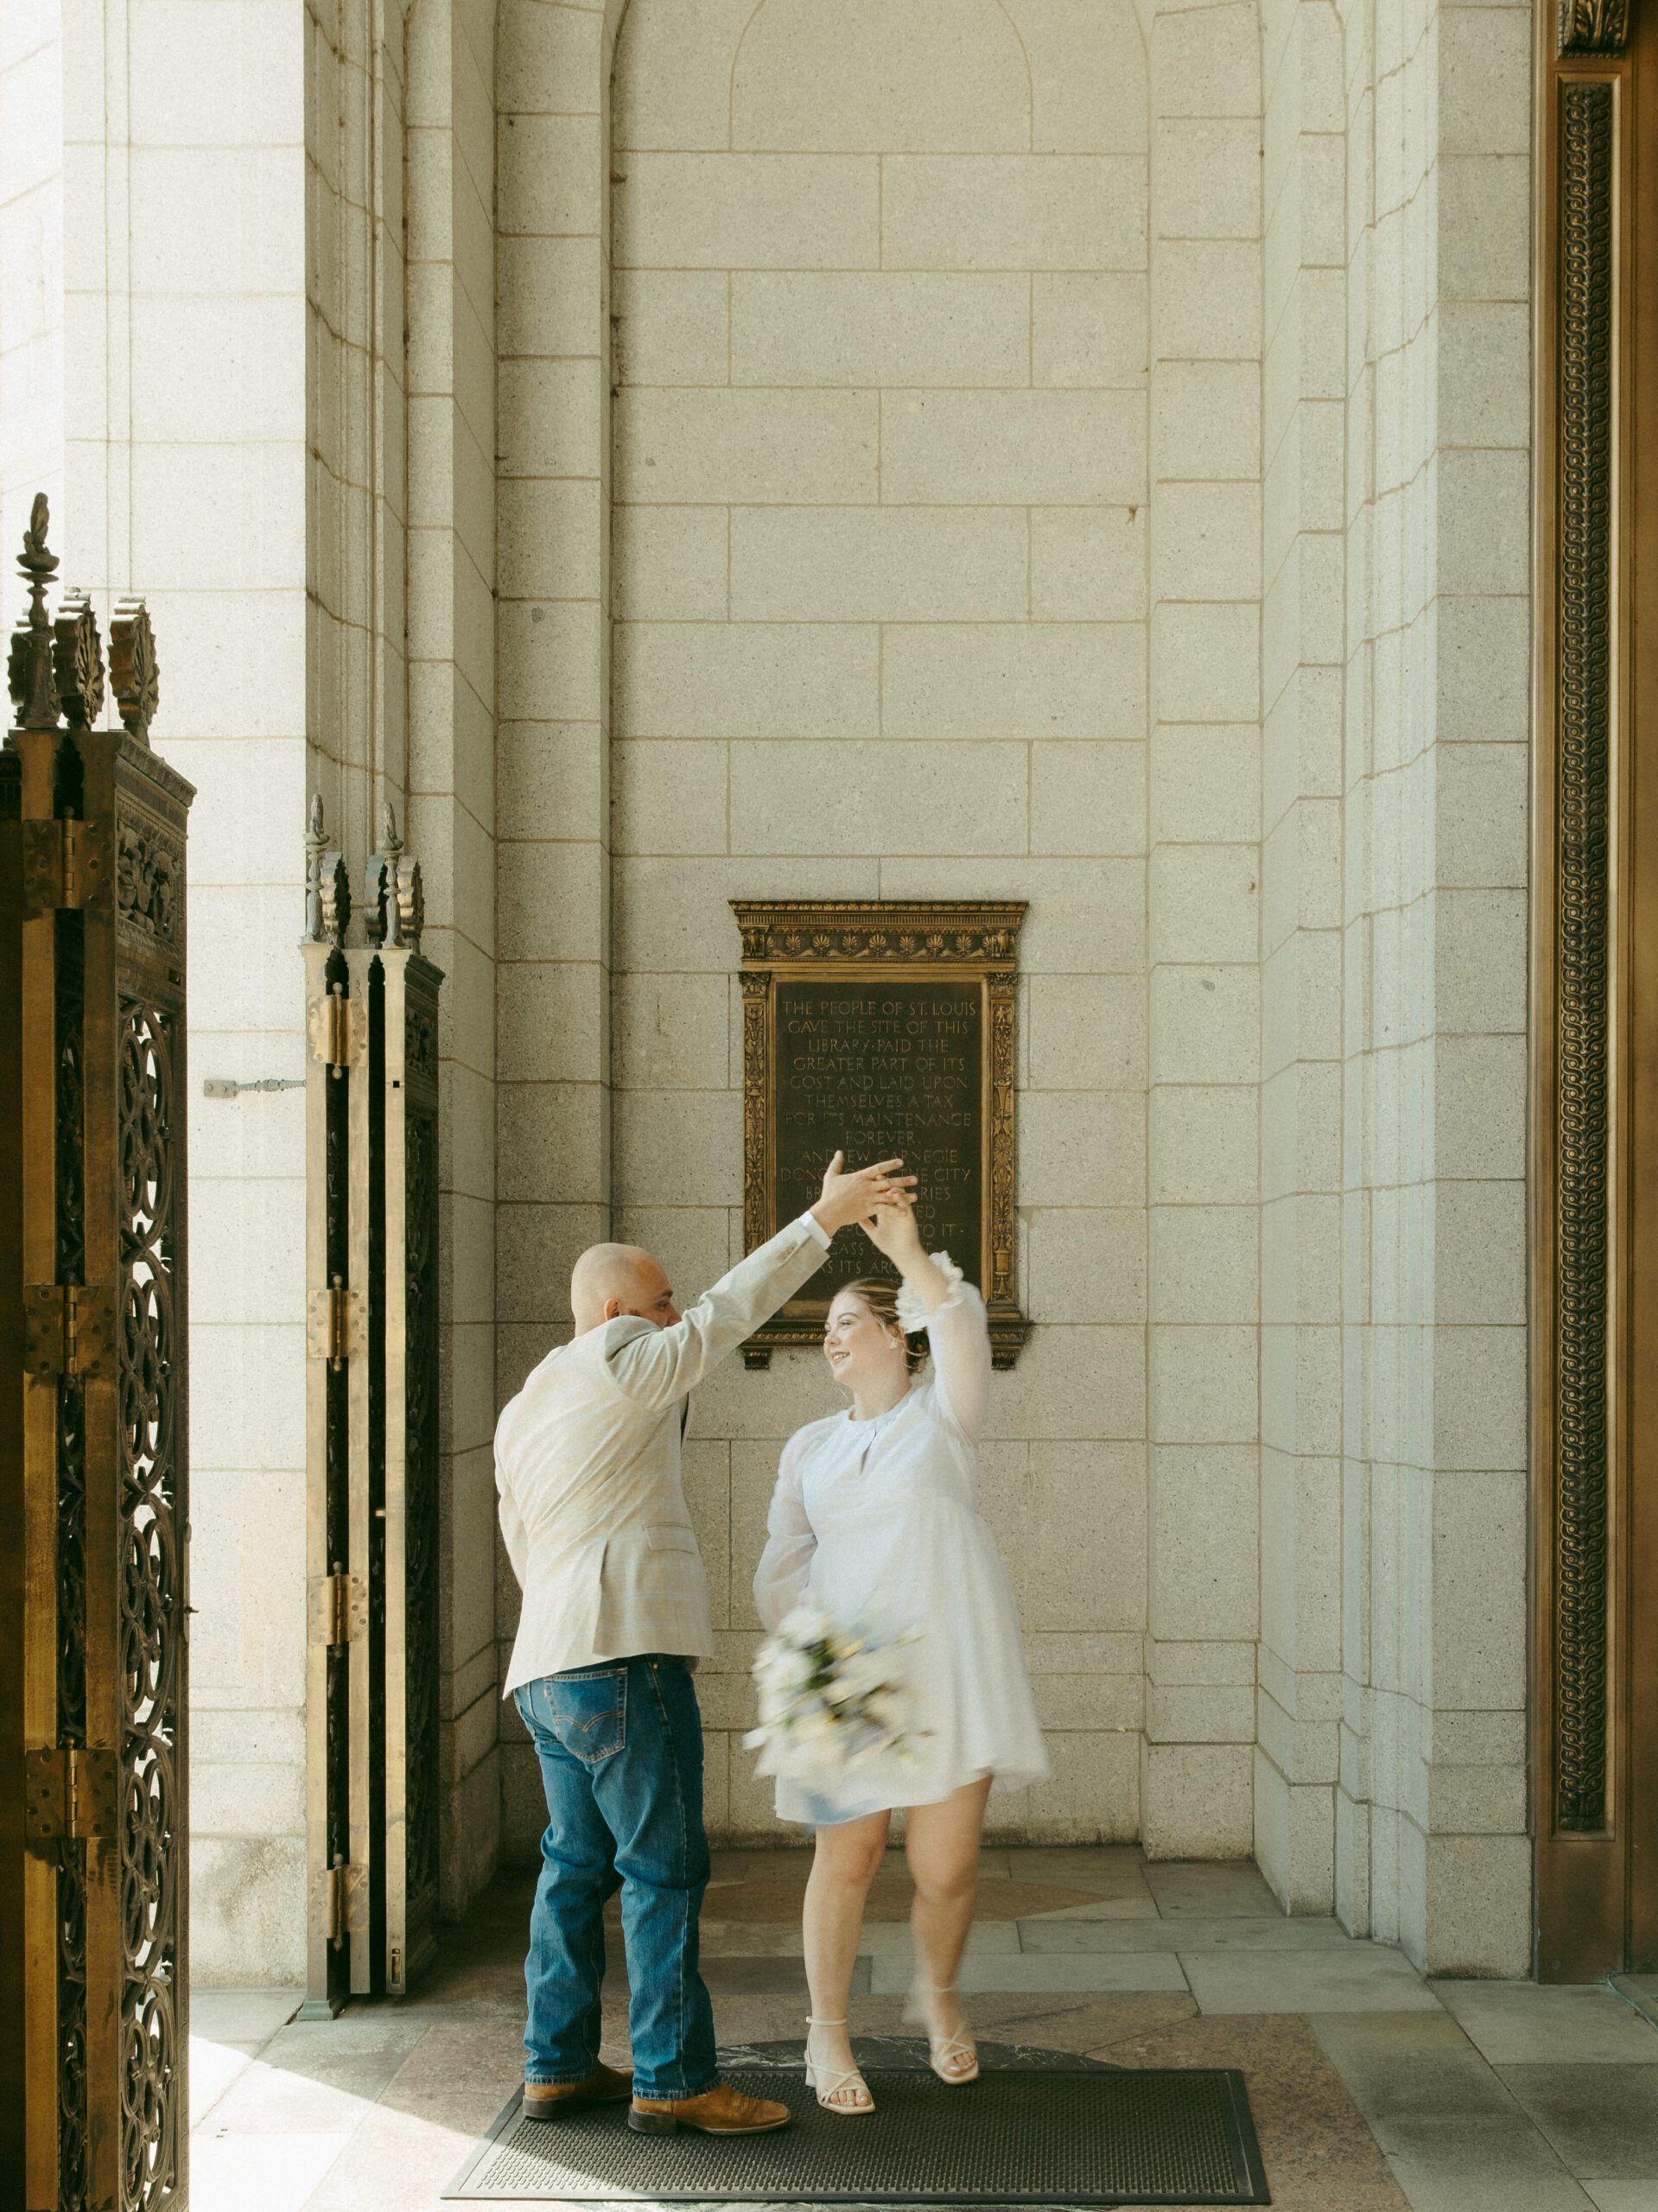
[876,1519]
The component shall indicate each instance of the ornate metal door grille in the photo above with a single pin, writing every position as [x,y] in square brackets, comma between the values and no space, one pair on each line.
[93,964]
[373,1470]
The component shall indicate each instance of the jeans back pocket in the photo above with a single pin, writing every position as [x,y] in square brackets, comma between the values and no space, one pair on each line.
[588,1712]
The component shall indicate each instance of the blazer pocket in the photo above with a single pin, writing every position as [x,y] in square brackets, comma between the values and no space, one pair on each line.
[670,1540]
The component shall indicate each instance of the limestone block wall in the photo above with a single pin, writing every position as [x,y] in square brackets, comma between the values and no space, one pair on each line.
[447,484]
[1205,529]
[31,249]
[1304,324]
[880,565]
[192,488]
[1431,1810]
[879,571]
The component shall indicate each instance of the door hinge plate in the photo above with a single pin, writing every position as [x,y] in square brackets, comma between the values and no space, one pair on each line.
[69,1796]
[64,864]
[68,1330]
[333,1323]
[336,1036]
[339,1609]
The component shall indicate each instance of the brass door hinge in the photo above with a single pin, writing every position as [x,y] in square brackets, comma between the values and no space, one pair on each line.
[64,864]
[347,1912]
[69,1795]
[336,1037]
[339,1609]
[68,1329]
[333,1323]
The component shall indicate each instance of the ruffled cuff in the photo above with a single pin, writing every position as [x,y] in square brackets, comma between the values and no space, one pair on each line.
[912,1314]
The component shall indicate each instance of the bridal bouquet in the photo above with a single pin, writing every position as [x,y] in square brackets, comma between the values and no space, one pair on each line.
[829,1697]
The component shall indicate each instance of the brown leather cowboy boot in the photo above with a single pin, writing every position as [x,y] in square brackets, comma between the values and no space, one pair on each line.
[719,2111]
[553,2099]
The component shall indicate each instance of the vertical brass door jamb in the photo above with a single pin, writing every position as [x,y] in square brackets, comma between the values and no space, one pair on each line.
[13,1856]
[333,1339]
[405,1605]
[365,1507]
[1581,1282]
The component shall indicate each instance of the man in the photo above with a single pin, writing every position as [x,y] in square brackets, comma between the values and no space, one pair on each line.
[615,1614]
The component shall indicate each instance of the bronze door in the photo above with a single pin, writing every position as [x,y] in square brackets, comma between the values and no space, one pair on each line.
[94,1436]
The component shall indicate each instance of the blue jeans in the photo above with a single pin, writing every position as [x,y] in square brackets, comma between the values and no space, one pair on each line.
[621,1749]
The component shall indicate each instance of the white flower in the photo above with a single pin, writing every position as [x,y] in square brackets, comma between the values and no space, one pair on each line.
[829,1697]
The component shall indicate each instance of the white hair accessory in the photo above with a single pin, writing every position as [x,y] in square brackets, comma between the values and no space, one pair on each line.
[912,1314]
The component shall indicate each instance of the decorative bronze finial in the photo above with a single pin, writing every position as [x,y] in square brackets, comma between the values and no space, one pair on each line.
[133,670]
[28,664]
[78,660]
[379,883]
[327,885]
[410,903]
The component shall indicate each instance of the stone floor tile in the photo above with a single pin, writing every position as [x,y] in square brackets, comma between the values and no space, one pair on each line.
[1066,1933]
[1429,2188]
[213,2067]
[1209,1890]
[1514,2022]
[241,2015]
[396,2162]
[1603,2120]
[269,2098]
[1367,1978]
[1080,1971]
[1622,2195]
[1373,2046]
[988,1939]
[1110,1904]
[1067,1862]
[1318,2153]
[242,2173]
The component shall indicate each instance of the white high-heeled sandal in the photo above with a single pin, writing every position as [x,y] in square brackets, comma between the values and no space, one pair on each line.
[941,2049]
[829,2080]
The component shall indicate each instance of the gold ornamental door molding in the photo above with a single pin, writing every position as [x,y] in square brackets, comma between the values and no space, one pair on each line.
[372,1533]
[93,1501]
[1595,1018]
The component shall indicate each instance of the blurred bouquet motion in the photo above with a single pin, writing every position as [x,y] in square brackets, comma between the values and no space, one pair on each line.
[831,1698]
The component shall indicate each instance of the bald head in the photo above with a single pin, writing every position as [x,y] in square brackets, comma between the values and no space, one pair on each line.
[611,1279]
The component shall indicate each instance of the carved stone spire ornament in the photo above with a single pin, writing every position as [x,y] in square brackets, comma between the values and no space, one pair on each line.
[28,665]
[133,670]
[78,661]
[1594,26]
[327,883]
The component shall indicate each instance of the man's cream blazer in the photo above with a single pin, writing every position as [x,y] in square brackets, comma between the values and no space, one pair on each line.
[586,1463]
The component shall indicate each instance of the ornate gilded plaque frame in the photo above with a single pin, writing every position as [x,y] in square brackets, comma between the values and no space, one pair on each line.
[888,1026]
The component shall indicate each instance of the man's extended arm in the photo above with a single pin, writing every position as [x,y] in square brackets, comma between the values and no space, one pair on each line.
[656,1366]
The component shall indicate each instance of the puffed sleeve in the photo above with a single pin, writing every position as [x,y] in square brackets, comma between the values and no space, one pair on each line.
[780,1578]
[959,1337]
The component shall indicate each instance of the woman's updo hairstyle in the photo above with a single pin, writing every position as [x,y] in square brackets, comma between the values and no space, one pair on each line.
[880,1294]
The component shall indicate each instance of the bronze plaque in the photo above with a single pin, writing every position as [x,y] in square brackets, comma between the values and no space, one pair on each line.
[884,1029]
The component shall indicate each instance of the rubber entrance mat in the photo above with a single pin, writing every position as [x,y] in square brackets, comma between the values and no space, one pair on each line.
[1037,2128]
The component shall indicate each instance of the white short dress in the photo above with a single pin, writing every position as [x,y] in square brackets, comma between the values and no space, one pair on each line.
[877,1521]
